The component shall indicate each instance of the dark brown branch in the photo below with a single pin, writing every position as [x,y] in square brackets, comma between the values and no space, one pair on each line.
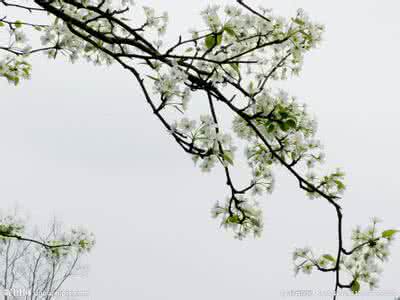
[241,2]
[20,238]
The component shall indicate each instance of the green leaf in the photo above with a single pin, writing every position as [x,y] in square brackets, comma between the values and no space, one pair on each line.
[219,38]
[283,114]
[270,128]
[1,24]
[213,40]
[291,123]
[154,78]
[329,257]
[227,156]
[298,21]
[235,66]
[233,219]
[18,24]
[210,40]
[83,244]
[284,126]
[229,30]
[16,81]
[389,233]
[355,287]
[340,185]
[26,71]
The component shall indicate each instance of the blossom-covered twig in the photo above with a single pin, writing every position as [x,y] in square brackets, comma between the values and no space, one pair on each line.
[231,61]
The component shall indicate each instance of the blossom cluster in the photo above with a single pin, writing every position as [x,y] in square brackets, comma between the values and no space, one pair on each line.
[68,243]
[237,39]
[14,67]
[56,246]
[59,37]
[241,215]
[169,85]
[371,249]
[154,21]
[305,260]
[206,135]
[289,130]
[10,225]
[331,185]
[273,46]
[362,264]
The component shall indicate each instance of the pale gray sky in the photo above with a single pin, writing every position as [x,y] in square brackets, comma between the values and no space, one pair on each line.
[79,142]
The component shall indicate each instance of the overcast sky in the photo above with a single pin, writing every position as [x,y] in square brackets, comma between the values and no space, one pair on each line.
[80,143]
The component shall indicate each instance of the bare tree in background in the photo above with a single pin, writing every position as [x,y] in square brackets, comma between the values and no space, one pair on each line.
[29,270]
